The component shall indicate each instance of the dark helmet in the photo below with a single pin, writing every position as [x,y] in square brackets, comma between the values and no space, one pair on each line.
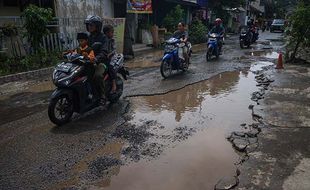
[250,22]
[93,19]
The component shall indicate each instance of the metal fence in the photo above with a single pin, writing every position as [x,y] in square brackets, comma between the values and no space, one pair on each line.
[63,39]
[59,42]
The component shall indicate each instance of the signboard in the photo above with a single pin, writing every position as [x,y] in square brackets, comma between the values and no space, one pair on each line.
[119,31]
[139,6]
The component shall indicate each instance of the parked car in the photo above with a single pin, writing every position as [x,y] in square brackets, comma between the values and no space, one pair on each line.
[277,25]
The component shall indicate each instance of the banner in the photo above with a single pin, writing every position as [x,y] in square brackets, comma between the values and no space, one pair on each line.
[139,6]
[119,31]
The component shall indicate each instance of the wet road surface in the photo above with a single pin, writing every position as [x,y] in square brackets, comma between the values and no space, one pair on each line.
[173,138]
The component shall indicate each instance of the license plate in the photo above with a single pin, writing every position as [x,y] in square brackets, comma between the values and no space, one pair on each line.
[64,67]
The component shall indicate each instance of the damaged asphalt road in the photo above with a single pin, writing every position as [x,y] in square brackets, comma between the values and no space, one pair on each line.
[182,133]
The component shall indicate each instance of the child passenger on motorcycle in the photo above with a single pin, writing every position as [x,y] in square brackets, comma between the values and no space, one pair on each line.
[83,48]
[89,54]
[109,50]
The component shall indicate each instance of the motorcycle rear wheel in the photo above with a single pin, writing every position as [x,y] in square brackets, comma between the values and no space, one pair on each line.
[113,98]
[62,104]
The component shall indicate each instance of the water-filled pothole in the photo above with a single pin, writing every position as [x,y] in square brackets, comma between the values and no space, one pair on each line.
[211,109]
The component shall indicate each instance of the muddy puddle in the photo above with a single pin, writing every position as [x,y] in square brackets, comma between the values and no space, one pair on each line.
[205,113]
[263,53]
[24,100]
[16,88]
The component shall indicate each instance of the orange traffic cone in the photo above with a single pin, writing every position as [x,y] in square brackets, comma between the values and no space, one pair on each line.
[280,62]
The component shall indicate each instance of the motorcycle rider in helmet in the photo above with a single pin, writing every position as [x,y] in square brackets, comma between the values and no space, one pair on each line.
[220,30]
[94,26]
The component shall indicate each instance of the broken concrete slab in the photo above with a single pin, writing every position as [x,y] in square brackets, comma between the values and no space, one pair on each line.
[227,183]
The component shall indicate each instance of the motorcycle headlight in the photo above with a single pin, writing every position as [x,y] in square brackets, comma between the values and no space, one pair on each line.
[169,48]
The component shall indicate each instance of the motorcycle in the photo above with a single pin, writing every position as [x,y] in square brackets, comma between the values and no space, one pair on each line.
[213,46]
[171,60]
[74,92]
[248,36]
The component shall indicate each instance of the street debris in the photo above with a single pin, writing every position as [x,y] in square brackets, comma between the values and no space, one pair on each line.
[100,167]
[227,183]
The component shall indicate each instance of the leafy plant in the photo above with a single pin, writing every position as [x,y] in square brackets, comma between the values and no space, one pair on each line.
[36,19]
[175,16]
[197,32]
[39,60]
[299,34]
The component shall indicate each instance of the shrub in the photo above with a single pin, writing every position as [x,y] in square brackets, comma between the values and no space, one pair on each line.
[39,60]
[197,32]
[36,19]
[299,34]
[175,16]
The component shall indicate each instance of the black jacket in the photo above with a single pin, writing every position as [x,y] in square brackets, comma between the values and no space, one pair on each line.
[100,53]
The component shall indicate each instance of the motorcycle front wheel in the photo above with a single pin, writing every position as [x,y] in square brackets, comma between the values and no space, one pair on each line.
[241,44]
[60,110]
[217,53]
[209,54]
[165,69]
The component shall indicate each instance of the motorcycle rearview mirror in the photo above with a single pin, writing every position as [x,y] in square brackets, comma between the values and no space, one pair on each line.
[96,46]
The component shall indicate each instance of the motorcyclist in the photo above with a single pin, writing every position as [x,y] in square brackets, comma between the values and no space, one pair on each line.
[220,30]
[94,25]
[252,28]
[109,49]
[182,34]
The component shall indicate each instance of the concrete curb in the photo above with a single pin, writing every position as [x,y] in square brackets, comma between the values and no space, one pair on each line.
[26,75]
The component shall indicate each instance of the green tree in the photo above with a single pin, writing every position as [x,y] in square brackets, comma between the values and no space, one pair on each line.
[197,32]
[175,16]
[299,34]
[278,7]
[218,7]
[35,21]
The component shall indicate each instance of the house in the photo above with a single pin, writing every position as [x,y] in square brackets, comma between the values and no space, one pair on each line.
[10,10]
[63,10]
[69,15]
[257,9]
[163,7]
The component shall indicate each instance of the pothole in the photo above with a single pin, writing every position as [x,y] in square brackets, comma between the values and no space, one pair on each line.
[184,134]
